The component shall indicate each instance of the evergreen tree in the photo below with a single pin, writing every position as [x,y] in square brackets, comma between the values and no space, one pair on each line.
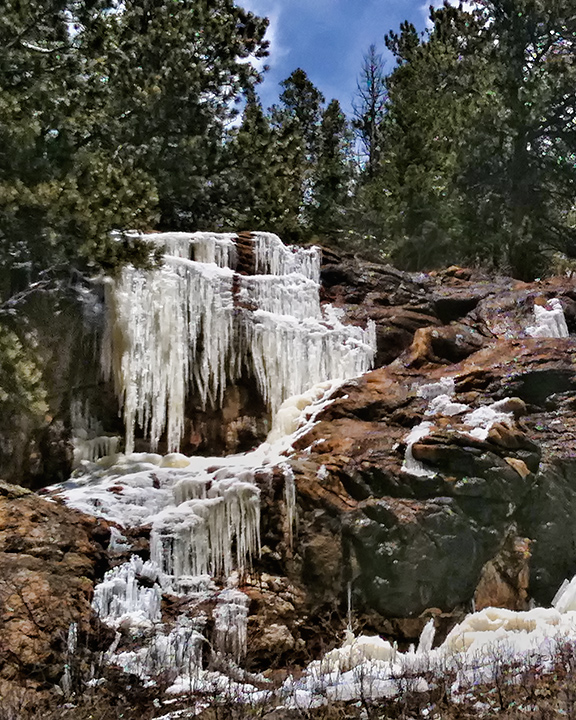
[61,189]
[108,114]
[480,140]
[296,122]
[520,174]
[333,173]
[174,71]
[301,107]
[370,107]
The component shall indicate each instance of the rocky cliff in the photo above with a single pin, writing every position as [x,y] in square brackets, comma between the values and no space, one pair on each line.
[413,524]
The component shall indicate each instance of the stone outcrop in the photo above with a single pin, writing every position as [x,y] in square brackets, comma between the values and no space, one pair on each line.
[49,558]
[490,520]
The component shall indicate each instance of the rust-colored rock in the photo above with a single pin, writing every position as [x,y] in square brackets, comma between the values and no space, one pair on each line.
[505,579]
[49,558]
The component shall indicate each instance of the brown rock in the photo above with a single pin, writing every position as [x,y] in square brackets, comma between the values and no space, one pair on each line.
[519,466]
[49,557]
[504,580]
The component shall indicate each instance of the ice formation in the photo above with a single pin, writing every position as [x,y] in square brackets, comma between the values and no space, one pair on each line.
[231,623]
[122,599]
[550,321]
[475,651]
[484,417]
[444,386]
[88,438]
[410,464]
[195,326]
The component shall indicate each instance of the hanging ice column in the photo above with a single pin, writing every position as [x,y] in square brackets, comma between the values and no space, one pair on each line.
[195,326]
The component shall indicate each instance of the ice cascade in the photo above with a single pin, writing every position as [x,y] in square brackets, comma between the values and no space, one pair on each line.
[195,325]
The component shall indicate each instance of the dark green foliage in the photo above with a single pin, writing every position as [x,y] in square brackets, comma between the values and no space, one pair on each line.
[520,177]
[479,140]
[175,69]
[332,174]
[289,171]
[61,189]
[113,118]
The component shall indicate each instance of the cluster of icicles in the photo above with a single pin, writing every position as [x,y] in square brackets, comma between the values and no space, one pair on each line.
[190,328]
[195,325]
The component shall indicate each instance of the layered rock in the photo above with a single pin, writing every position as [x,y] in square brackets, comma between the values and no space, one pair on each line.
[484,520]
[49,558]
[412,541]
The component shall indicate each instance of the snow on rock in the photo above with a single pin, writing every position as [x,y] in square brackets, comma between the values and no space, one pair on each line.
[193,325]
[550,321]
[429,391]
[443,405]
[475,651]
[565,598]
[410,464]
[483,418]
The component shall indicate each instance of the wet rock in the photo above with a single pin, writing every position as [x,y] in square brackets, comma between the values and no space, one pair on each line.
[505,579]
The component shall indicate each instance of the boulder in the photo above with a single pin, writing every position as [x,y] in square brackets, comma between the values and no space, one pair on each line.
[50,556]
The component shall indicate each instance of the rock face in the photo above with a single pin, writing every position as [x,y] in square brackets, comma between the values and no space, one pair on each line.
[489,517]
[483,518]
[49,558]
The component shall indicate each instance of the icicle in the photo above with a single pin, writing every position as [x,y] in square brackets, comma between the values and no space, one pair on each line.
[192,326]
[156,322]
[290,502]
[71,647]
[288,355]
[349,614]
[274,258]
[179,650]
[426,638]
[120,599]
[231,623]
[196,537]
[90,449]
[88,440]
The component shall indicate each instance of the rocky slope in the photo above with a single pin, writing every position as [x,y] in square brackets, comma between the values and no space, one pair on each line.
[485,520]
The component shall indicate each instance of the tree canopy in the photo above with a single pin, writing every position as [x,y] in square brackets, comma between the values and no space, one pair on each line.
[113,116]
[123,115]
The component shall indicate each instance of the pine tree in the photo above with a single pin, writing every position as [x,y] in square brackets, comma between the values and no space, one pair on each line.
[370,107]
[61,189]
[520,178]
[174,71]
[332,174]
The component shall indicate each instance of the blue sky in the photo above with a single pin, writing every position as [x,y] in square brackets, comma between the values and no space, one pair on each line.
[328,38]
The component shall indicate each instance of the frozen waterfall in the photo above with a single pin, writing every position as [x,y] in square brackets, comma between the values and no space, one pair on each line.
[196,325]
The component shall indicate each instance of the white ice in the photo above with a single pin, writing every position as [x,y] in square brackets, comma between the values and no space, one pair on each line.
[549,321]
[410,464]
[483,418]
[193,326]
